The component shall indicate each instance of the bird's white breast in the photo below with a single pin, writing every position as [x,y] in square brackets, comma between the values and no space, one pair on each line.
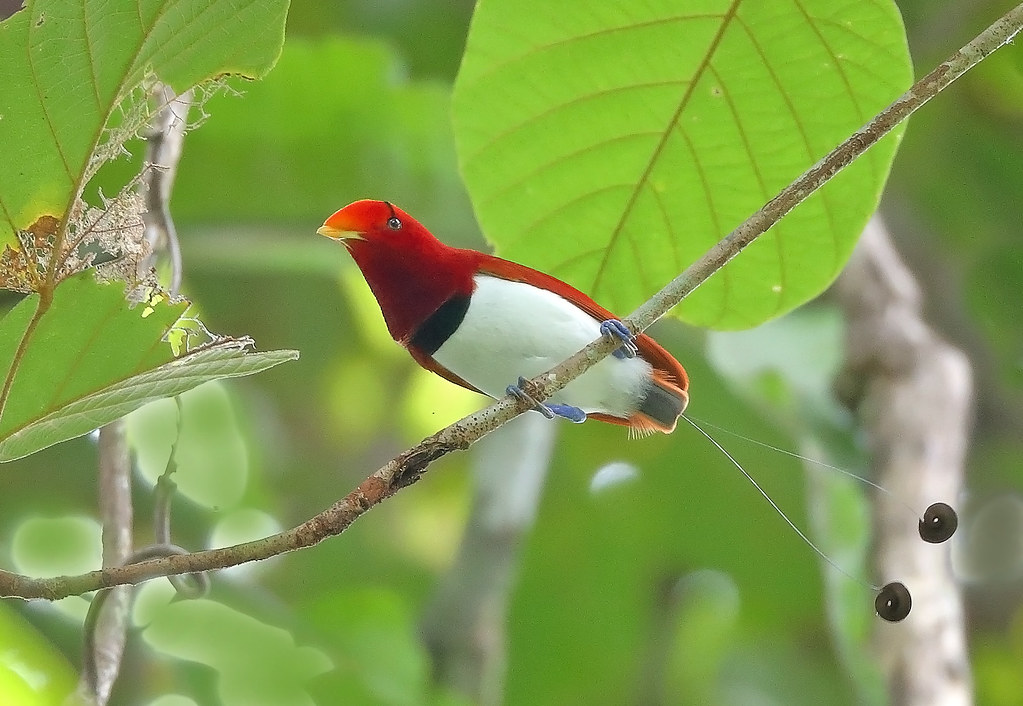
[513,329]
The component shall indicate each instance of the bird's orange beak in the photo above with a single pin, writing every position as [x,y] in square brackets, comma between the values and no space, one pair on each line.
[340,226]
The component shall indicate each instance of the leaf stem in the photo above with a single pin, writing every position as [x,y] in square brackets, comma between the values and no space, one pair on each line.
[410,465]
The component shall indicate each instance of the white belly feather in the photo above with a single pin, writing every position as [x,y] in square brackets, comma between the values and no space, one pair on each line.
[513,329]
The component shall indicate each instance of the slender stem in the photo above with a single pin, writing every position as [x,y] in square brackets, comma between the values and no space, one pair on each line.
[409,466]
[164,143]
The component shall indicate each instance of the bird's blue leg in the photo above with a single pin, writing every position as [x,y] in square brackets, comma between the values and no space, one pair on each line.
[549,410]
[616,329]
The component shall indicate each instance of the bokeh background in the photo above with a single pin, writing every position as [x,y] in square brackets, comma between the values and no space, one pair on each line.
[653,573]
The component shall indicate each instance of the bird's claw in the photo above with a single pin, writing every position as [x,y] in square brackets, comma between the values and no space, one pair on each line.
[614,328]
[573,414]
[519,392]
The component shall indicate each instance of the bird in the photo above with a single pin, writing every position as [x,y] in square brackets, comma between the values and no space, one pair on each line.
[481,321]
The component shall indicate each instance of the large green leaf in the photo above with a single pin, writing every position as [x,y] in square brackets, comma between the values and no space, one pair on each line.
[612,143]
[70,65]
[92,358]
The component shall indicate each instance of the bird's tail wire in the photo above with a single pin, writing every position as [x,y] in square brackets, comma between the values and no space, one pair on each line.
[699,426]
[704,425]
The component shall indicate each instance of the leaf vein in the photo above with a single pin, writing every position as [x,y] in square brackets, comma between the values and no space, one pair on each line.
[561,159]
[97,332]
[726,21]
[555,109]
[566,41]
[567,204]
[42,99]
[89,55]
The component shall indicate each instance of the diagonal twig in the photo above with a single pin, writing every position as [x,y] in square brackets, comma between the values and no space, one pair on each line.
[409,466]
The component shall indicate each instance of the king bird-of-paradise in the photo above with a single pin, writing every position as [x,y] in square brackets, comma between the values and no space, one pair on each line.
[482,322]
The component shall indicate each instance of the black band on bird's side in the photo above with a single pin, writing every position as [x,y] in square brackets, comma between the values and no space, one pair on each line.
[441,324]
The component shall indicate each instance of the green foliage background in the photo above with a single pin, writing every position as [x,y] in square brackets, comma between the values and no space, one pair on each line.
[358,106]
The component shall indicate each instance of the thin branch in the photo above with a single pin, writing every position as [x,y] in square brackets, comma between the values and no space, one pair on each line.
[409,466]
[187,585]
[164,142]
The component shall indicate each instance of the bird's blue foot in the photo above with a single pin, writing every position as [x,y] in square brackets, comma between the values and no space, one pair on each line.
[567,411]
[616,329]
[573,414]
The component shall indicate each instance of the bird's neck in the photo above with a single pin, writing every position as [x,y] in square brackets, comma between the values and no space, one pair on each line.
[411,285]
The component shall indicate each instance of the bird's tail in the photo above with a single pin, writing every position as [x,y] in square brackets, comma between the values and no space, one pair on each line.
[663,404]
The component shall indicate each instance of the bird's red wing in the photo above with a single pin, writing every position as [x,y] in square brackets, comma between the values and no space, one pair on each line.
[432,365]
[667,370]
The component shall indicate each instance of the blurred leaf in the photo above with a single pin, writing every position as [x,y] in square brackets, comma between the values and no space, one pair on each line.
[44,546]
[70,66]
[211,459]
[243,525]
[996,660]
[700,636]
[346,125]
[773,671]
[257,663]
[91,358]
[33,672]
[431,403]
[788,365]
[613,145]
[380,657]
[840,524]
[172,700]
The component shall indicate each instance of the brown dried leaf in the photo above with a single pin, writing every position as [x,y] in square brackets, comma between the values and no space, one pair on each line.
[23,269]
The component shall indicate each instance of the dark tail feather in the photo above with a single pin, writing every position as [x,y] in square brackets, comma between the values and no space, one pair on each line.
[663,404]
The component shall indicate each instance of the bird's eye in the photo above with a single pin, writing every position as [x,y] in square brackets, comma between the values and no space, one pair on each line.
[394,223]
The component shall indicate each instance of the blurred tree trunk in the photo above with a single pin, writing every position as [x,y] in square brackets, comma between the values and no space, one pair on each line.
[912,391]
[464,626]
